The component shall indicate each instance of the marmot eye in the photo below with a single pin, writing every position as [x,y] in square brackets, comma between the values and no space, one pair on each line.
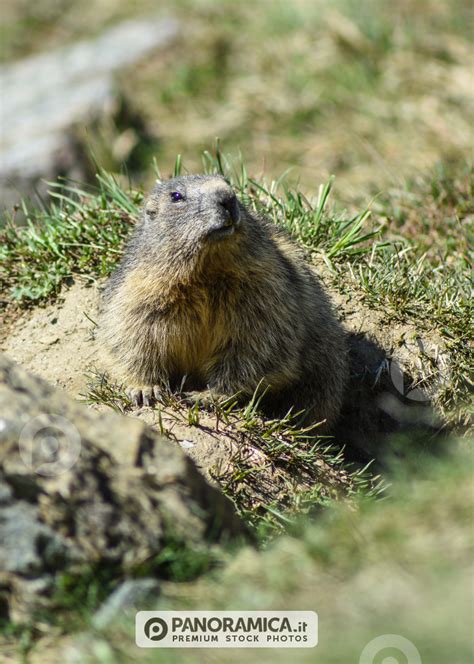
[176,196]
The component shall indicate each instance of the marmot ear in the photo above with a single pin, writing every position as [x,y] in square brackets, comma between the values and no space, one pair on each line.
[151,210]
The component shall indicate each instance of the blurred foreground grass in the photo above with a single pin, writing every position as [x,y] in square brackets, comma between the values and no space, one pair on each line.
[401,566]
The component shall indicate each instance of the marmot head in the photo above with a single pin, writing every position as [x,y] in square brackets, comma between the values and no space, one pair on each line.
[190,212]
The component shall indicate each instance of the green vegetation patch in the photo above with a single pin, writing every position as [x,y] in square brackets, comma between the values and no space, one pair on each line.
[277,471]
[83,232]
[78,233]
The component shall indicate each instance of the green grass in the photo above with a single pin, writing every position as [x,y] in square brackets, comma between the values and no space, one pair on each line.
[83,232]
[78,233]
[298,472]
[367,91]
[315,472]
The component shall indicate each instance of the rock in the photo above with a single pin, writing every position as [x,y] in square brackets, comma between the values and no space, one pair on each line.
[29,547]
[130,595]
[44,96]
[81,488]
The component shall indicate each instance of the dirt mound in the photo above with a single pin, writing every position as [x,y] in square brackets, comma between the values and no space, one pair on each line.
[56,342]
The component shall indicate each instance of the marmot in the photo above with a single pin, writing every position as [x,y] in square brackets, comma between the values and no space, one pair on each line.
[210,296]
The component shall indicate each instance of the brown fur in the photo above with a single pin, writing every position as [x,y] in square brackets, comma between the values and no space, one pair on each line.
[209,292]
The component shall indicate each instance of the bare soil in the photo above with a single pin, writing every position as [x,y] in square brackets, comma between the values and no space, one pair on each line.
[56,342]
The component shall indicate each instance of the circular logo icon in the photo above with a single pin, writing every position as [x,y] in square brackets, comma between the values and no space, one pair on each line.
[405,647]
[156,629]
[49,444]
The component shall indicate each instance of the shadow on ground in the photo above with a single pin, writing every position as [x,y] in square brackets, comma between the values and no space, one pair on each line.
[385,414]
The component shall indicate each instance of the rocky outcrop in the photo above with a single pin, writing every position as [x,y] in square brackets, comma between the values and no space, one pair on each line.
[81,489]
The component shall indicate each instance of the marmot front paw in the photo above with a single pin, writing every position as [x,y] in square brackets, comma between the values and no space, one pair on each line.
[144,395]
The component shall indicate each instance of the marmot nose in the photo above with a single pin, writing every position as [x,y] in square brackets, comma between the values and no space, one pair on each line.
[228,200]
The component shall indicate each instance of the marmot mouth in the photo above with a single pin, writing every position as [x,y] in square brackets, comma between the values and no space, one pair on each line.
[221,232]
[223,228]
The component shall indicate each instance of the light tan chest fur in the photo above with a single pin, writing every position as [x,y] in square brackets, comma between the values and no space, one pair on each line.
[183,330]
